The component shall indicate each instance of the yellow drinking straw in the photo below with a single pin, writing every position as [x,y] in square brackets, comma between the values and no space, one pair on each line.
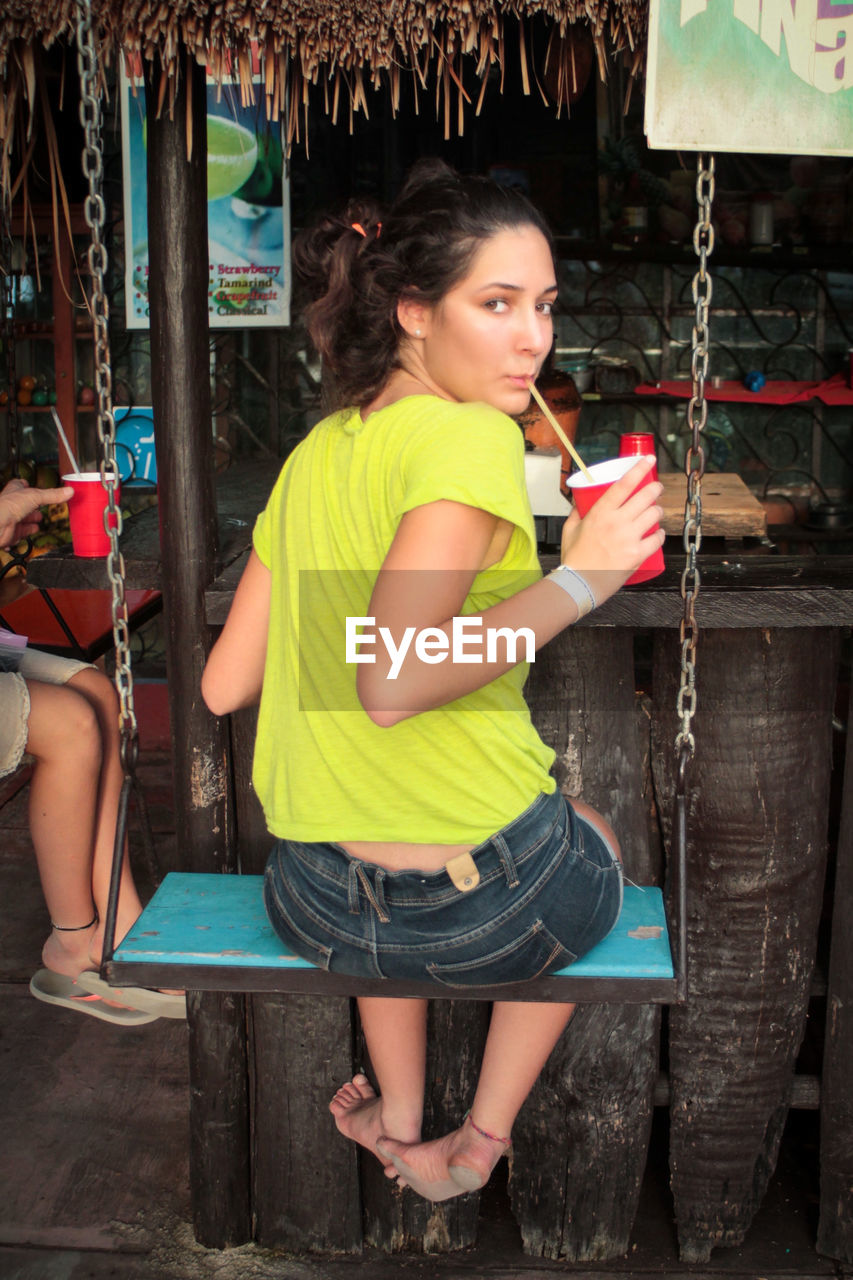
[560,432]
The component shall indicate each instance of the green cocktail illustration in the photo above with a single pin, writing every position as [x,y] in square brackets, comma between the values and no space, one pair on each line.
[232,153]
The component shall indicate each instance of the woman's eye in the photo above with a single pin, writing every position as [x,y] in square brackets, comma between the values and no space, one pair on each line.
[497,304]
[546,308]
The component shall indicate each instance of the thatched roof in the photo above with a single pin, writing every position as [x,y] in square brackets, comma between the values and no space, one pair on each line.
[340,44]
[328,50]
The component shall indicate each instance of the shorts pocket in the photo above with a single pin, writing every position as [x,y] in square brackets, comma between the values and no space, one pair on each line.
[291,933]
[529,956]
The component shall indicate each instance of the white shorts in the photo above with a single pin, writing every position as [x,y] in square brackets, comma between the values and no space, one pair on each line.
[47,668]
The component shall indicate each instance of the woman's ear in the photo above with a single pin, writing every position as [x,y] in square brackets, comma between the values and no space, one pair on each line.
[413,317]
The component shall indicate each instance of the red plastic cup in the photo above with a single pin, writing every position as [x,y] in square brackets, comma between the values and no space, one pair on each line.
[86,509]
[639,444]
[585,496]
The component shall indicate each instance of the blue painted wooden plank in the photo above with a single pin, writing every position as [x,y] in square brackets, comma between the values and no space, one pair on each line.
[197,918]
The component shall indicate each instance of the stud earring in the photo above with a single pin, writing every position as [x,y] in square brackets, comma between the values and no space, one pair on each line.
[417,333]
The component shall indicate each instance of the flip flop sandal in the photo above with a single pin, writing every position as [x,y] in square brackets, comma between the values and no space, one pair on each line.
[156,1003]
[56,988]
[441,1189]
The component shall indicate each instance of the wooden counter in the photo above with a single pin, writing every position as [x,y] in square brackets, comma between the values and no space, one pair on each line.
[241,493]
[735,591]
[729,510]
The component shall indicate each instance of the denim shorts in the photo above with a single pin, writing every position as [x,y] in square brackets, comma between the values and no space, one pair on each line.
[550,888]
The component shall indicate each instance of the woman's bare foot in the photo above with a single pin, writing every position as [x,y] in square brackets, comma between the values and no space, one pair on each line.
[460,1161]
[357,1110]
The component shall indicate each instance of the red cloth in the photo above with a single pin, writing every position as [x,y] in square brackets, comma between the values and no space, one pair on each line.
[832,390]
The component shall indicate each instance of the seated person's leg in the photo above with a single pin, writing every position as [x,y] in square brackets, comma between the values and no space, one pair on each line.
[100,694]
[64,738]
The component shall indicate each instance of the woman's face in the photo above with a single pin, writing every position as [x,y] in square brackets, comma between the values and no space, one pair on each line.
[493,330]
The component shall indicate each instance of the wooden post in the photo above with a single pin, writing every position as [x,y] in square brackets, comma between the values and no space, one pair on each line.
[757,828]
[835,1228]
[301,1052]
[255,841]
[178,261]
[404,1222]
[580,1143]
[304,1174]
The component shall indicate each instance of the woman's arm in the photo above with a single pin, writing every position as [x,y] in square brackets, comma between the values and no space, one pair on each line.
[234,672]
[426,577]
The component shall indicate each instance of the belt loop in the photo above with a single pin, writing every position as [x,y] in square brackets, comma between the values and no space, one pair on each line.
[575,832]
[352,889]
[507,861]
[381,904]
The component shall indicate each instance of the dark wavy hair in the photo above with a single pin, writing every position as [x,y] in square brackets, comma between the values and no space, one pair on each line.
[355,266]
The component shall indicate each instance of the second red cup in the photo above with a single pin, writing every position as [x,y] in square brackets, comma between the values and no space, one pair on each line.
[585,496]
[639,444]
[86,509]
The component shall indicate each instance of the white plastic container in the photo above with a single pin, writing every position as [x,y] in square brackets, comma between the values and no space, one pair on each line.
[542,474]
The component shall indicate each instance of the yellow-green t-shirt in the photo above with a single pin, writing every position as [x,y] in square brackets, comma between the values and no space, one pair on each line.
[322,769]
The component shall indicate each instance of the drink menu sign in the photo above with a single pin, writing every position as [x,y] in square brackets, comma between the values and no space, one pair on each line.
[770,76]
[248,211]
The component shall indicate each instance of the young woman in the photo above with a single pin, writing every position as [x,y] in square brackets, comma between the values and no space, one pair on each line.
[418,830]
[64,715]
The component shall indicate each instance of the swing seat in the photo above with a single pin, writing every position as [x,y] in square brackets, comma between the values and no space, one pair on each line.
[210,932]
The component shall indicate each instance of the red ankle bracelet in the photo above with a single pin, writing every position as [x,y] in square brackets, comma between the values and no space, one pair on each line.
[491,1136]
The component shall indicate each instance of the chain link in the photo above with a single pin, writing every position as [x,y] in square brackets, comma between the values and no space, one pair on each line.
[94,212]
[694,463]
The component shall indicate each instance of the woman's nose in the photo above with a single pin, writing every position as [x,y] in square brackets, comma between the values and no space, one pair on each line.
[536,332]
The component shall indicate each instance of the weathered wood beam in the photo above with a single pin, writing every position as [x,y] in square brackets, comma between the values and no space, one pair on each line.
[835,1227]
[757,833]
[178,275]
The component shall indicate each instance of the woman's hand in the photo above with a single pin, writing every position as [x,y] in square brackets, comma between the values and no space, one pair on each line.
[616,535]
[427,575]
[19,509]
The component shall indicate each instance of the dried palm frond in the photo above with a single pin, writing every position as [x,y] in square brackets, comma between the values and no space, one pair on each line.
[281,49]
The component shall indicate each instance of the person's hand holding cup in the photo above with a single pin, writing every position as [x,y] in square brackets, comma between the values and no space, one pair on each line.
[613,536]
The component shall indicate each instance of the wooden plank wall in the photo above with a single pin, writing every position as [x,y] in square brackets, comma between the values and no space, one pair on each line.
[759,804]
[758,828]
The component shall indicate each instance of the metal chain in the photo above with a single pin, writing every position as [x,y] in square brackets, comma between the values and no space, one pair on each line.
[93,209]
[7,300]
[694,463]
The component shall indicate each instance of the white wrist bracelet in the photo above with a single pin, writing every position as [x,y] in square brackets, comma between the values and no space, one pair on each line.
[575,586]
